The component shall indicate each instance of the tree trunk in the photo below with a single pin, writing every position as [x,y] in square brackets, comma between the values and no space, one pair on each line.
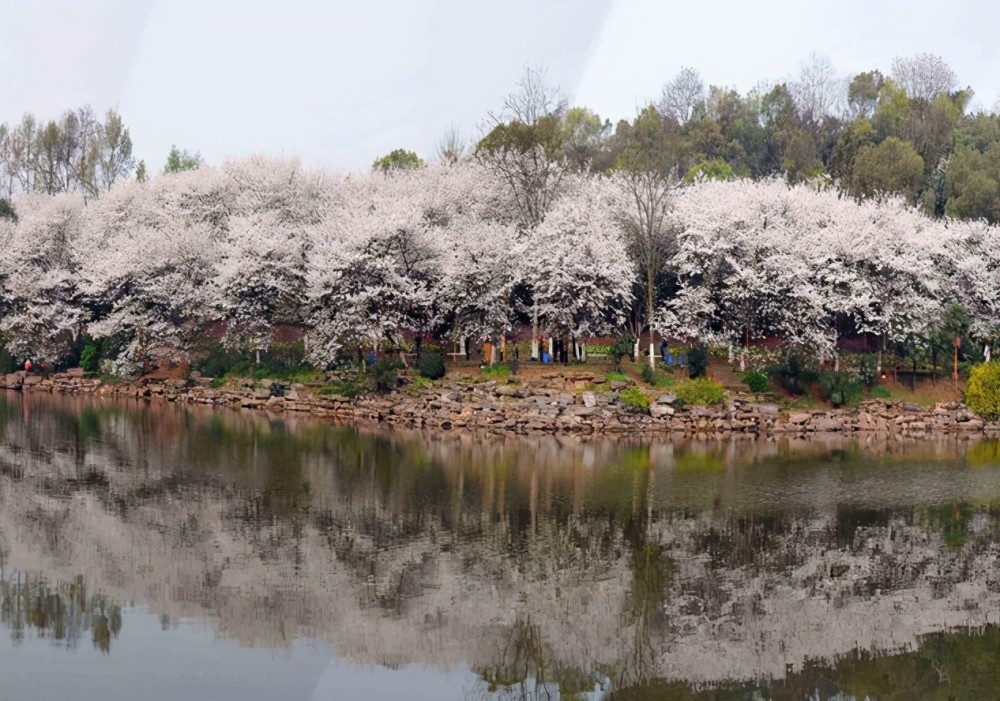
[649,317]
[535,355]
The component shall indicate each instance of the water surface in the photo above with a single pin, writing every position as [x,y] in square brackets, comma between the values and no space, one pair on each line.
[158,551]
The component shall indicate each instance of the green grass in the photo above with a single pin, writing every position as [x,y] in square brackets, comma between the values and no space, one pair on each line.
[495,372]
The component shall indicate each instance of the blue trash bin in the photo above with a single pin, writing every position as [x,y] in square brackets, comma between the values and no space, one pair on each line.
[545,357]
[669,359]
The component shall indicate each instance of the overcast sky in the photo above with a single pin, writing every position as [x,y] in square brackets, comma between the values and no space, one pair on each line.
[339,83]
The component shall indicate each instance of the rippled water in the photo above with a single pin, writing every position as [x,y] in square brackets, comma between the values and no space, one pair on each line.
[168,552]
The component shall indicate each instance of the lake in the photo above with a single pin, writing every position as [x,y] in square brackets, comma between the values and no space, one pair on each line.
[157,551]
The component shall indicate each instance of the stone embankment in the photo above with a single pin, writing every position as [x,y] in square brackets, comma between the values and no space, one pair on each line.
[553,403]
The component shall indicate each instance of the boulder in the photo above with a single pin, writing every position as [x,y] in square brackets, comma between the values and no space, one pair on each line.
[589,399]
[659,411]
[668,398]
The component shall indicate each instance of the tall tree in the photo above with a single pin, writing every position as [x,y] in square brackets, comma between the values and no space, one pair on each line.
[114,153]
[647,172]
[526,155]
[179,161]
[818,91]
[683,96]
[924,76]
[399,159]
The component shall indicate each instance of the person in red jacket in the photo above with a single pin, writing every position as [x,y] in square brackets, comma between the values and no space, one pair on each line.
[27,366]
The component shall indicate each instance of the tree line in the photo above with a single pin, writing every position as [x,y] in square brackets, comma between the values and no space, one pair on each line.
[549,220]
[443,252]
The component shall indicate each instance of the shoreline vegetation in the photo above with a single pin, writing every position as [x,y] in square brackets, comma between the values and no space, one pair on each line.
[565,402]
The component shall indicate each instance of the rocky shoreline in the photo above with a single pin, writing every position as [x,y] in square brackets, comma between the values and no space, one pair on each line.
[553,403]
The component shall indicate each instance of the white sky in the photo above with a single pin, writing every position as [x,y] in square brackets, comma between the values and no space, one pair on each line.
[340,83]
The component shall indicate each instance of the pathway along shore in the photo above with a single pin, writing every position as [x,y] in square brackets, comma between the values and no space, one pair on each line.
[553,403]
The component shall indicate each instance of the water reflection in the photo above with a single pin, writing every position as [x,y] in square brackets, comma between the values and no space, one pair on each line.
[551,568]
[33,607]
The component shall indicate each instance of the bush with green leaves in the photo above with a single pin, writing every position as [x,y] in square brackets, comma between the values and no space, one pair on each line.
[622,347]
[700,391]
[868,369]
[794,375]
[697,361]
[839,387]
[90,358]
[648,374]
[431,365]
[633,400]
[982,393]
[7,363]
[756,380]
[384,375]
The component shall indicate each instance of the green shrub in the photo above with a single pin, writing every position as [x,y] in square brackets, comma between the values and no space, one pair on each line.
[634,400]
[384,375]
[219,361]
[880,393]
[794,375]
[7,364]
[700,391]
[868,369]
[756,380]
[662,379]
[349,387]
[431,365]
[496,372]
[697,361]
[648,374]
[90,358]
[982,394]
[419,384]
[622,347]
[840,388]
[617,377]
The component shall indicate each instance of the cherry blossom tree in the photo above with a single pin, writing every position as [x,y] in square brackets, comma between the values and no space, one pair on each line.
[374,266]
[151,252]
[43,312]
[577,261]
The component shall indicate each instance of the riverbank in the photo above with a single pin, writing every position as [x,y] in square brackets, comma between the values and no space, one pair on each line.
[551,403]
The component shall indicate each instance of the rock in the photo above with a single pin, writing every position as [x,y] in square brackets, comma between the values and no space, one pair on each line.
[599,379]
[620,385]
[668,398]
[508,391]
[13,379]
[768,409]
[825,424]
[30,380]
[798,417]
[74,372]
[659,411]
[589,399]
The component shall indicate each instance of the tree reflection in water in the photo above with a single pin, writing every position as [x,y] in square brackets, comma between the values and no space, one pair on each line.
[552,568]
[34,607]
